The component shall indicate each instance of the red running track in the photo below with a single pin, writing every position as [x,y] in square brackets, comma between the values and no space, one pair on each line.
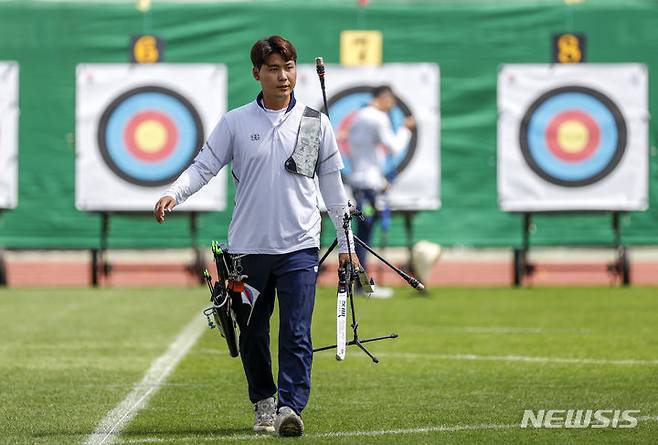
[446,273]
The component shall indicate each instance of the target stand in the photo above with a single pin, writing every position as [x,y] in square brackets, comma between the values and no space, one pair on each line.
[523,268]
[102,268]
[573,140]
[138,127]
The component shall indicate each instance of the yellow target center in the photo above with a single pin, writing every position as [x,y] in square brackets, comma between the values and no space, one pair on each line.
[572,136]
[151,136]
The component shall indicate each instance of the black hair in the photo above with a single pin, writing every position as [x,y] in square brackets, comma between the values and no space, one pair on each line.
[272,44]
[382,89]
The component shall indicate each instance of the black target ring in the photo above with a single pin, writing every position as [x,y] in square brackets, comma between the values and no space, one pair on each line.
[537,144]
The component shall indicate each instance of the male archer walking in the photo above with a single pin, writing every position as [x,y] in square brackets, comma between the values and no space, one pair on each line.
[276,145]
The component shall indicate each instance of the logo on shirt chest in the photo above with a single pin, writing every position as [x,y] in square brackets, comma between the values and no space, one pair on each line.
[255,137]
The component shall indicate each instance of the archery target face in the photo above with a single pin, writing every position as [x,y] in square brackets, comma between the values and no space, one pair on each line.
[572,137]
[415,169]
[149,135]
[8,135]
[139,127]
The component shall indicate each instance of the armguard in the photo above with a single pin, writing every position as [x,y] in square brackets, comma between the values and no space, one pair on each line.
[304,157]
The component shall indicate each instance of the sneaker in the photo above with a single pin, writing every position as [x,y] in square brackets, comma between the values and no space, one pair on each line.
[288,423]
[265,410]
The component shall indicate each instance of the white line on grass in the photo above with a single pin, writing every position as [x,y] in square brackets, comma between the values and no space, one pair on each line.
[108,429]
[519,358]
[246,437]
[512,330]
[645,418]
[498,358]
[392,432]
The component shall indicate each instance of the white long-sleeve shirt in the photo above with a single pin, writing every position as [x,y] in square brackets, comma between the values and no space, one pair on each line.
[370,129]
[275,211]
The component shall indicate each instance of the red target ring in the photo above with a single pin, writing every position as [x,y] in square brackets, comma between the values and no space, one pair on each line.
[150,136]
[573,136]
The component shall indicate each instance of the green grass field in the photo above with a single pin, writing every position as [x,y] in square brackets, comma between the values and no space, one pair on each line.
[467,364]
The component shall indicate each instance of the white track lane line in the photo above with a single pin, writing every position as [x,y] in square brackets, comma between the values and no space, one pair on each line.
[115,420]
[518,358]
[376,433]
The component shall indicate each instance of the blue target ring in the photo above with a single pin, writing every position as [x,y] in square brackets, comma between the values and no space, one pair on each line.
[179,135]
[573,136]
[342,108]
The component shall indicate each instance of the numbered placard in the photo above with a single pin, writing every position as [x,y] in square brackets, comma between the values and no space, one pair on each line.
[146,49]
[360,48]
[569,48]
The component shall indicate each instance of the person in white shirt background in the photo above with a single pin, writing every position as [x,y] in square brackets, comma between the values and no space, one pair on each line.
[275,226]
[370,134]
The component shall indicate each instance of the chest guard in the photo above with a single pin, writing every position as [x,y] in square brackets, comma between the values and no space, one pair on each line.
[304,157]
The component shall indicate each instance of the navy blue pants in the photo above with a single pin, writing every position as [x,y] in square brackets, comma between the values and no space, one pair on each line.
[293,277]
